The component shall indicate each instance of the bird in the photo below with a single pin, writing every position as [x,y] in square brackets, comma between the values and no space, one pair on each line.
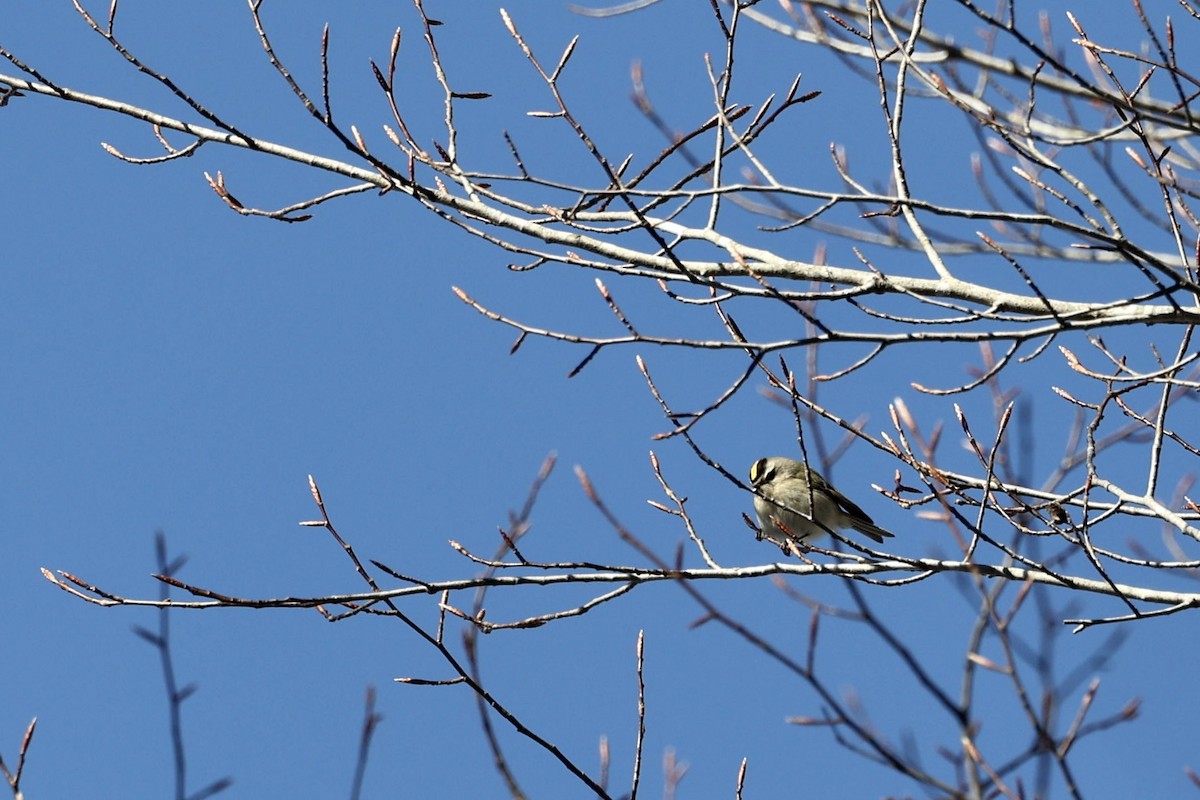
[785,492]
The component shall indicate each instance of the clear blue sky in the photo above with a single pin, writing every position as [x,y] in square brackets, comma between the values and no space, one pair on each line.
[169,365]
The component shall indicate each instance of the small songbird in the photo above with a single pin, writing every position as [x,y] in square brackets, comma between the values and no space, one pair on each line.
[785,493]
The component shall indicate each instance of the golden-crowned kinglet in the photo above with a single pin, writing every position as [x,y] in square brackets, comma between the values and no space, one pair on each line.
[786,491]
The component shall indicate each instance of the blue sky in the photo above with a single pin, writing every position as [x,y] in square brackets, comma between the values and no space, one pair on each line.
[170,365]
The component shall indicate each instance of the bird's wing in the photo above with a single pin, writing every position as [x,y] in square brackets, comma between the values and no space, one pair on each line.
[848,505]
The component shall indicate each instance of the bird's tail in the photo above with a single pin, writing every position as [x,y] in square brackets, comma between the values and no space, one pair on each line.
[871,529]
